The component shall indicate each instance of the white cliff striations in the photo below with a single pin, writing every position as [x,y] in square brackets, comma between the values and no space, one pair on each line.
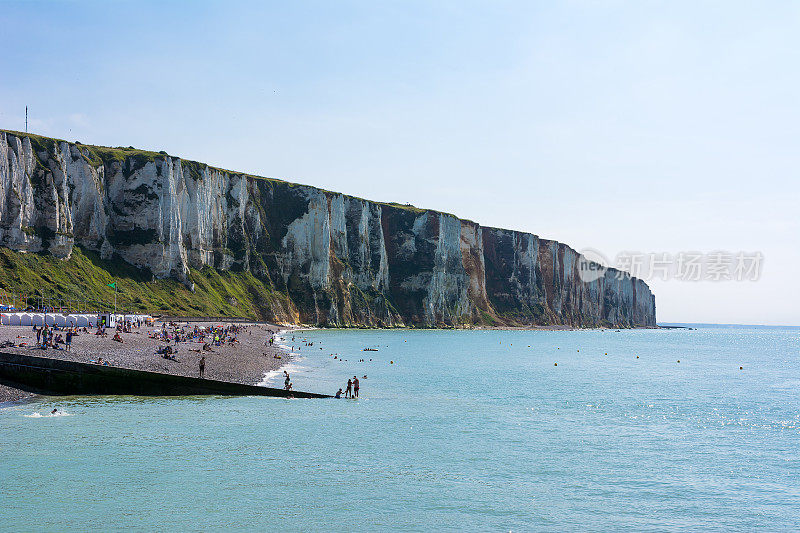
[342,261]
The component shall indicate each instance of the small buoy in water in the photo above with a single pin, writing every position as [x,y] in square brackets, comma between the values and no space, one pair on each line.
[555,364]
[679,360]
[606,353]
[579,350]
[637,357]
[391,362]
[740,368]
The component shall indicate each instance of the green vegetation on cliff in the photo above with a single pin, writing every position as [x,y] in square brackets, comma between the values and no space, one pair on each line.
[82,282]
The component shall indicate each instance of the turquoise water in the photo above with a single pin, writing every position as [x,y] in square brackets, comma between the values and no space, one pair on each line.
[467,430]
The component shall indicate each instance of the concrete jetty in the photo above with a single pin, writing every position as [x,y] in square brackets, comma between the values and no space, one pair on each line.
[59,377]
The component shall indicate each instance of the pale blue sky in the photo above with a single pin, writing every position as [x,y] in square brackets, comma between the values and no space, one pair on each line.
[649,126]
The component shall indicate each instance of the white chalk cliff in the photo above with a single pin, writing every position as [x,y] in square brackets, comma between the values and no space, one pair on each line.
[343,261]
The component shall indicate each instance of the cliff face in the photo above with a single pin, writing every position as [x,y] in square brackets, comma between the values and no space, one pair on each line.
[342,261]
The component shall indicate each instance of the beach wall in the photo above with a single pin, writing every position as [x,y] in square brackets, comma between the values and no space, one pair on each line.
[56,376]
[341,260]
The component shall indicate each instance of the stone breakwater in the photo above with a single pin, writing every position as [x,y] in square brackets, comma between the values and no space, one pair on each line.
[342,261]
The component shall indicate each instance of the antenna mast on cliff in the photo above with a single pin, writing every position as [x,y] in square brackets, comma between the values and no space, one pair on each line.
[26,119]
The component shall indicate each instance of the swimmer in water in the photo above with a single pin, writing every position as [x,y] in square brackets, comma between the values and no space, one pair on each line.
[54,411]
[339,393]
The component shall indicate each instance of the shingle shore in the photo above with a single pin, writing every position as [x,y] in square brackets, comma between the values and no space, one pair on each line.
[245,362]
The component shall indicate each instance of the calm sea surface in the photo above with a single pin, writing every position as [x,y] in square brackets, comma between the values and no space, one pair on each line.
[467,430]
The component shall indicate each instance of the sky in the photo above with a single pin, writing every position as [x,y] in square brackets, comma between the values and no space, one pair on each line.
[651,127]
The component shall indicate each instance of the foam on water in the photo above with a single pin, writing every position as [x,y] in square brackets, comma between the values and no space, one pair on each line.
[274,376]
[47,415]
[293,366]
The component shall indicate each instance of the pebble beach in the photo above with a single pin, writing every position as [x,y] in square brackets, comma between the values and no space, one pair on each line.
[244,362]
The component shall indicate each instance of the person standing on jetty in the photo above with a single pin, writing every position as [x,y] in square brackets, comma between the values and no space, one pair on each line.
[202,366]
[355,387]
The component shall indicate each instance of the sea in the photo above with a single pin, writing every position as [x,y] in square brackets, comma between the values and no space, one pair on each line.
[457,430]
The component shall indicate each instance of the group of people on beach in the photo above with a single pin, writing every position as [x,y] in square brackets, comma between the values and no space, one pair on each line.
[352,388]
[217,335]
[46,336]
[210,336]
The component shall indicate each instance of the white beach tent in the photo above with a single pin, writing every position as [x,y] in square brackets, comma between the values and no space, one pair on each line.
[60,320]
[50,319]
[25,319]
[144,319]
[37,319]
[5,319]
[14,319]
[92,320]
[81,321]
